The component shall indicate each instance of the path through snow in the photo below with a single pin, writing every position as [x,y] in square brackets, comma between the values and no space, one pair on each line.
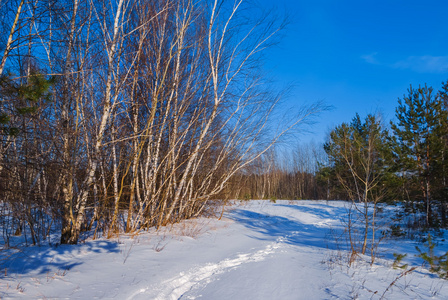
[175,287]
[281,237]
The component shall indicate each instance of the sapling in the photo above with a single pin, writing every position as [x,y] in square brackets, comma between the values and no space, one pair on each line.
[438,264]
[397,261]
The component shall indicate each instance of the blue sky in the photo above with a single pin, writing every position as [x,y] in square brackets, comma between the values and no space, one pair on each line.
[359,56]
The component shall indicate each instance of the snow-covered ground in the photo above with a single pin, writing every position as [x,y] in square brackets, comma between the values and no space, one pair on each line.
[259,250]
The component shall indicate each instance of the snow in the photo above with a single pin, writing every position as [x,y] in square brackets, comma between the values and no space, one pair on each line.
[259,250]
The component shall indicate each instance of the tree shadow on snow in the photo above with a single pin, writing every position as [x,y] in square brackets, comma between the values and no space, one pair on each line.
[44,259]
[323,208]
[319,210]
[293,232]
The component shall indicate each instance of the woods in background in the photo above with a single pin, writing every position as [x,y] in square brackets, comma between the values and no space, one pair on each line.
[282,175]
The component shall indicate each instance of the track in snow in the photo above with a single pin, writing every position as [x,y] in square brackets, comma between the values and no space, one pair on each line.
[175,287]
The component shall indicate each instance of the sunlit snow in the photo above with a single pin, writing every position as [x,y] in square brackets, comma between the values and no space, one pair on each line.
[258,250]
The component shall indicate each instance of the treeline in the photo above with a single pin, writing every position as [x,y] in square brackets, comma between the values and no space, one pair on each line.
[289,175]
[116,116]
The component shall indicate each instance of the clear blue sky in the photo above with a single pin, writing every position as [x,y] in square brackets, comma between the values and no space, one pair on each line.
[359,56]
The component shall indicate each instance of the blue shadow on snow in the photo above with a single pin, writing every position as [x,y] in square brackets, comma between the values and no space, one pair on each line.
[294,232]
[48,259]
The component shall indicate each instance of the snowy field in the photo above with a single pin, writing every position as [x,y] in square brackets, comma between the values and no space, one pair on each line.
[259,250]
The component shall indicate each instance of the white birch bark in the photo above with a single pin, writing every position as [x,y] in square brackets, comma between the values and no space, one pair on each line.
[10,40]
[111,49]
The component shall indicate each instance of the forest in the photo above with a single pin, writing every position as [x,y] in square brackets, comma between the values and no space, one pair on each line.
[120,116]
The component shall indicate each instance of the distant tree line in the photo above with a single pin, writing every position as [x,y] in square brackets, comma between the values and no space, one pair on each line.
[289,175]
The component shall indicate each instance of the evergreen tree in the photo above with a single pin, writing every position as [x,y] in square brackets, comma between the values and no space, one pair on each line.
[419,148]
[19,99]
[359,159]
[442,163]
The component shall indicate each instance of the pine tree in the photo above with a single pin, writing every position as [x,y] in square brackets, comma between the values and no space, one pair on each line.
[442,163]
[359,157]
[418,145]
[20,99]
